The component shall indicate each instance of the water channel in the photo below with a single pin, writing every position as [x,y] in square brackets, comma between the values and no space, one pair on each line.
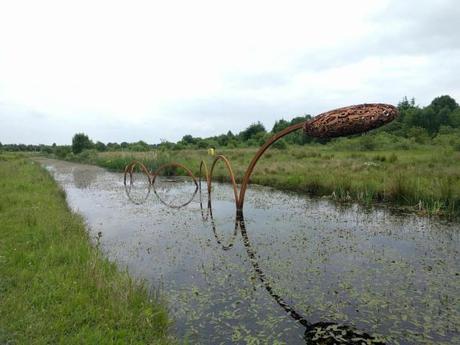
[394,276]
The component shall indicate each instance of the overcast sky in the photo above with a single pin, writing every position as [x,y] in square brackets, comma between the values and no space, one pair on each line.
[152,70]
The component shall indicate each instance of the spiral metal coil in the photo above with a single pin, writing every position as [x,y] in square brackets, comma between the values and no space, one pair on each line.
[335,123]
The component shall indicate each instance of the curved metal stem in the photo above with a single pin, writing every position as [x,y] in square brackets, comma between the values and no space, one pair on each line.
[232,177]
[255,159]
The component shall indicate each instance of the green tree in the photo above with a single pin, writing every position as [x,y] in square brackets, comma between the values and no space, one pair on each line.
[454,118]
[405,104]
[140,146]
[80,142]
[188,140]
[202,144]
[443,116]
[222,140]
[113,146]
[299,119]
[444,102]
[252,131]
[100,146]
[279,126]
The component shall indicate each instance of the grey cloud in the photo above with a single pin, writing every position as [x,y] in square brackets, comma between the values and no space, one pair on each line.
[427,28]
[423,28]
[208,117]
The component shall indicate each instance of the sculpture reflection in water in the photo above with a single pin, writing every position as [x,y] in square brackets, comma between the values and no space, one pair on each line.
[324,333]
[340,122]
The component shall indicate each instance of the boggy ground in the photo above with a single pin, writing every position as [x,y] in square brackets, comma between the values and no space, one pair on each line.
[423,178]
[55,287]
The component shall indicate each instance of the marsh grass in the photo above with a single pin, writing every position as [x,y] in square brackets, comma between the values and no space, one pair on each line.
[55,287]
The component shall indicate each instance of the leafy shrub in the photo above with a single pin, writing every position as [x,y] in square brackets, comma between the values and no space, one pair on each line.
[393,158]
[62,151]
[87,156]
[367,143]
[202,144]
[280,145]
[379,158]
[418,135]
[178,147]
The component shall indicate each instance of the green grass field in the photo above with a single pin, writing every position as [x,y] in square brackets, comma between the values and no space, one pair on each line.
[55,287]
[423,178]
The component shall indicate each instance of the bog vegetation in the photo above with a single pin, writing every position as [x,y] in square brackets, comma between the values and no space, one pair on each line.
[413,161]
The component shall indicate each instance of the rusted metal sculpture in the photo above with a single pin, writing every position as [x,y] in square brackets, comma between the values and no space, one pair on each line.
[151,177]
[340,122]
[345,121]
[350,120]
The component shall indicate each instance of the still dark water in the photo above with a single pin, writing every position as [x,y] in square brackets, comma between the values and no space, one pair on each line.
[391,275]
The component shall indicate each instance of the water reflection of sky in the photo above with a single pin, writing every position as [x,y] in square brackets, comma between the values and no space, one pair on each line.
[383,273]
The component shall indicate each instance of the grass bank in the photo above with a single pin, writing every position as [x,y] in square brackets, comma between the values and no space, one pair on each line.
[55,288]
[423,178]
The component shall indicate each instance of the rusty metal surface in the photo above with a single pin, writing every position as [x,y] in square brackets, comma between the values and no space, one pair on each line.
[335,123]
[151,177]
[174,165]
[350,120]
[129,170]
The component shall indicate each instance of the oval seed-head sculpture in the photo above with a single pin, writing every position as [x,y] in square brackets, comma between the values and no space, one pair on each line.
[335,123]
[350,120]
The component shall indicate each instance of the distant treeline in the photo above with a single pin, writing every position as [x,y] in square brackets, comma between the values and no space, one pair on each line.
[438,123]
